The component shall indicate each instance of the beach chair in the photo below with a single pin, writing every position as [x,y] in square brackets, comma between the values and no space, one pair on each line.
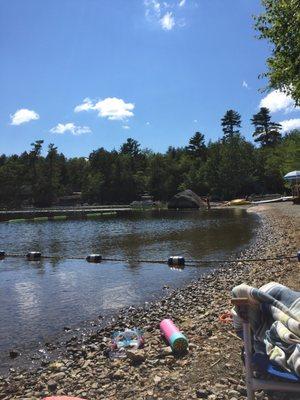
[277,379]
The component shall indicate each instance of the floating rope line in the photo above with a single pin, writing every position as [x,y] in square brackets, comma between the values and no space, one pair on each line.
[172,261]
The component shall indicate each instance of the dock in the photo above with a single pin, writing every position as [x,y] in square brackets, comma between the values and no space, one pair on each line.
[68,212]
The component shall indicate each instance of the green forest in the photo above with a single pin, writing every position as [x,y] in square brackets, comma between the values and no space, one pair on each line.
[228,168]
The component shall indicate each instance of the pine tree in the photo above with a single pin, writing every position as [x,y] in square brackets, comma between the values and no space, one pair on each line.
[130,147]
[266,132]
[197,147]
[34,155]
[229,122]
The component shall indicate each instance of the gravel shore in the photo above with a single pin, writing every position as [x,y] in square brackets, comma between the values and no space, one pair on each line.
[211,369]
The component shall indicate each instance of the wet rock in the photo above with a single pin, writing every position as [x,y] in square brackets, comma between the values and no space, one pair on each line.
[13,353]
[66,328]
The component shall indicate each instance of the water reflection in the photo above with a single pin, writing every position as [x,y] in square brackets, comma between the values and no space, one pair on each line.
[27,298]
[39,298]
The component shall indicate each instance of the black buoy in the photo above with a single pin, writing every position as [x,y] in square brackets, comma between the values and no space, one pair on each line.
[298,255]
[33,256]
[176,261]
[2,254]
[94,258]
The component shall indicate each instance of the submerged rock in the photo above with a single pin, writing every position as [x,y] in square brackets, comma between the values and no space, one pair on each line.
[186,199]
[13,353]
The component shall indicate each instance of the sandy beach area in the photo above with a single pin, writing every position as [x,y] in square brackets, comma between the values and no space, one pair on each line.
[211,369]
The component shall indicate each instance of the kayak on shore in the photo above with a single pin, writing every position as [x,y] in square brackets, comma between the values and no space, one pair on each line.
[238,202]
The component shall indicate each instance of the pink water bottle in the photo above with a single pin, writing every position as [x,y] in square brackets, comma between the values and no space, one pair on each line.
[177,340]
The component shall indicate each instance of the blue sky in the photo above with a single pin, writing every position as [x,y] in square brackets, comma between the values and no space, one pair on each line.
[90,73]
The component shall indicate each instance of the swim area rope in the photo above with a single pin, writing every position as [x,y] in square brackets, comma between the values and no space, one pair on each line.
[172,261]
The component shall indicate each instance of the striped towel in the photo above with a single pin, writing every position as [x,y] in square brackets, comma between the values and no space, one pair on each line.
[274,317]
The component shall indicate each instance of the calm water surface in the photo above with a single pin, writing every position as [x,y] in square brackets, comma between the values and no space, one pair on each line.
[38,299]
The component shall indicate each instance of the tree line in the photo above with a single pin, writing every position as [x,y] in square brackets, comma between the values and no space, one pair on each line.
[223,169]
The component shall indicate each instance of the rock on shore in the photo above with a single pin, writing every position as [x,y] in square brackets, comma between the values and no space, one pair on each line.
[186,199]
[212,369]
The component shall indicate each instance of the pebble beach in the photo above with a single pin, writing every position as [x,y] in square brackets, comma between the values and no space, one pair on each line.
[211,369]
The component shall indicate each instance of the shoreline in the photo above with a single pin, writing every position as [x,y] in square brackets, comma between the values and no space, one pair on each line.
[211,367]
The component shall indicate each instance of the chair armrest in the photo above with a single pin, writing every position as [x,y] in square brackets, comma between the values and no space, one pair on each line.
[240,301]
[242,307]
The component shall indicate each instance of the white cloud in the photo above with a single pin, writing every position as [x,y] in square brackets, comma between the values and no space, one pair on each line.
[85,106]
[290,124]
[195,120]
[278,101]
[159,13]
[167,22]
[23,115]
[125,126]
[147,123]
[245,84]
[70,127]
[111,108]
[153,8]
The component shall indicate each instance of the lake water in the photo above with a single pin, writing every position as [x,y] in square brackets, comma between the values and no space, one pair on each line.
[38,299]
